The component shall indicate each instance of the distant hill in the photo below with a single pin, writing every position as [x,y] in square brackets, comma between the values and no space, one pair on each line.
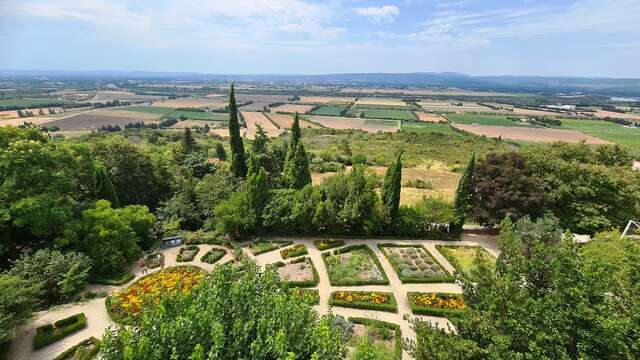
[536,84]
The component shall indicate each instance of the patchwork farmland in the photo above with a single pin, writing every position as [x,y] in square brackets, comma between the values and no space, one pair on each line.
[284,121]
[293,108]
[253,119]
[530,134]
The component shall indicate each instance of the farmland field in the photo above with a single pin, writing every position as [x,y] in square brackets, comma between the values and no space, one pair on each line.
[456,107]
[377,113]
[198,115]
[28,103]
[427,117]
[530,134]
[336,122]
[154,110]
[428,127]
[325,100]
[104,96]
[485,119]
[293,108]
[284,121]
[192,123]
[215,102]
[252,119]
[611,114]
[381,102]
[605,130]
[88,121]
[329,110]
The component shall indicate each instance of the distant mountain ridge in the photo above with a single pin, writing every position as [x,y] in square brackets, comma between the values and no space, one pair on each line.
[509,83]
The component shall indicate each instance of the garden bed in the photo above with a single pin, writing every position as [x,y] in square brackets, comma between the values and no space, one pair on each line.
[212,256]
[461,256]
[309,296]
[328,244]
[436,304]
[381,332]
[114,280]
[369,300]
[152,261]
[414,264]
[261,246]
[187,253]
[354,265]
[298,273]
[125,306]
[294,251]
[85,350]
[50,333]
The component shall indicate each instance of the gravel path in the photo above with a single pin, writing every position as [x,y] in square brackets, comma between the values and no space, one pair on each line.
[98,320]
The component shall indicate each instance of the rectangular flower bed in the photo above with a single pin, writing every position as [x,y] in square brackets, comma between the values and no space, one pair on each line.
[327,244]
[354,265]
[187,253]
[299,272]
[261,246]
[436,304]
[461,256]
[213,255]
[85,350]
[309,296]
[369,300]
[152,261]
[50,333]
[295,250]
[382,331]
[414,264]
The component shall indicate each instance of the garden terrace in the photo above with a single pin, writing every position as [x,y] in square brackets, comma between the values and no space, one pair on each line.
[354,265]
[368,300]
[415,264]
[310,296]
[436,304]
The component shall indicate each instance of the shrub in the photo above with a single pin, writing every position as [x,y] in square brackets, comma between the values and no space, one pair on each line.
[382,326]
[85,350]
[187,253]
[115,280]
[328,244]
[309,296]
[436,304]
[368,300]
[213,255]
[50,333]
[296,250]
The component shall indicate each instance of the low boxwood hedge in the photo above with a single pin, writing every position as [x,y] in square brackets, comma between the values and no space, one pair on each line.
[305,283]
[274,246]
[85,350]
[213,255]
[328,244]
[50,333]
[447,278]
[427,310]
[115,280]
[383,324]
[187,253]
[392,306]
[294,251]
[346,249]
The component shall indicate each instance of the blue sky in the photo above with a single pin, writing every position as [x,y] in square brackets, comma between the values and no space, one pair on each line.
[524,37]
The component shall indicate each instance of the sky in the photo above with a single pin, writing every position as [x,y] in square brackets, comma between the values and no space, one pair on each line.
[589,38]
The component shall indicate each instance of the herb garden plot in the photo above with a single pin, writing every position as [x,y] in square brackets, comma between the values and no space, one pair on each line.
[354,265]
[414,264]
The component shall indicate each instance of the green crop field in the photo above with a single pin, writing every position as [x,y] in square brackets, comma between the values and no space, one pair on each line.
[482,119]
[427,128]
[155,110]
[605,130]
[329,110]
[197,115]
[378,113]
[29,102]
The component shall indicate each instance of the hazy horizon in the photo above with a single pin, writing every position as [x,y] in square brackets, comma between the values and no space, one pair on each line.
[579,38]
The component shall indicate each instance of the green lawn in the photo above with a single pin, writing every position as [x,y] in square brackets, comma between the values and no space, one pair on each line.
[155,110]
[378,113]
[197,115]
[605,130]
[29,102]
[482,119]
[329,110]
[420,127]
[382,122]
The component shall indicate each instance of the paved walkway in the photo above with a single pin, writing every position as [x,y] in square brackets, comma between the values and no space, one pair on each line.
[98,320]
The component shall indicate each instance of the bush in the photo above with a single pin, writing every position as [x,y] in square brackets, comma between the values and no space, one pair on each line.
[418,184]
[187,253]
[85,350]
[213,255]
[309,296]
[328,244]
[115,280]
[294,251]
[382,325]
[50,333]
[368,300]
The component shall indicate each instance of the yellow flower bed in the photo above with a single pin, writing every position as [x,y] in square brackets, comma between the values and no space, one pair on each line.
[129,302]
[440,301]
[371,297]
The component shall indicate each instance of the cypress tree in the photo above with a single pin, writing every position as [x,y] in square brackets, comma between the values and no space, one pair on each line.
[464,194]
[296,173]
[238,164]
[391,192]
[295,131]
[189,144]
[258,192]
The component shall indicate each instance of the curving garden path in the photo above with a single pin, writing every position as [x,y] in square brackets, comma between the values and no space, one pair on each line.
[98,320]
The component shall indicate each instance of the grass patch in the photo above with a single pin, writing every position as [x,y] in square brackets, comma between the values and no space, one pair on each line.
[85,350]
[354,265]
[50,333]
[605,130]
[329,110]
[199,115]
[428,128]
[213,255]
[436,304]
[368,300]
[154,110]
[382,330]
[30,103]
[295,250]
[327,244]
[187,253]
[484,119]
[309,296]
[382,113]
[461,256]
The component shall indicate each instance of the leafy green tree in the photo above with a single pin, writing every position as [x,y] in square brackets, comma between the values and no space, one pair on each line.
[233,314]
[18,298]
[235,216]
[104,186]
[391,193]
[141,222]
[183,207]
[9,134]
[58,275]
[464,195]
[197,164]
[238,164]
[296,173]
[258,192]
[221,154]
[189,144]
[212,190]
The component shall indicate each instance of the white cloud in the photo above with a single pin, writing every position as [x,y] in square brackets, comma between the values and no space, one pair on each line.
[381,14]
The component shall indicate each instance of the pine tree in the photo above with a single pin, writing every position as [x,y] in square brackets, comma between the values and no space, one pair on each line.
[258,192]
[391,193]
[221,154]
[296,173]
[189,144]
[238,164]
[463,194]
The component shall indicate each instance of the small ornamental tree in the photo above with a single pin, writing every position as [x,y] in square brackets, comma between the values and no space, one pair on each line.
[238,164]
[464,195]
[391,193]
[221,154]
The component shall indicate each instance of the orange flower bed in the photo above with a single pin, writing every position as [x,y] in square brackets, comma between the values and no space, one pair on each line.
[148,290]
[373,297]
[438,304]
[372,300]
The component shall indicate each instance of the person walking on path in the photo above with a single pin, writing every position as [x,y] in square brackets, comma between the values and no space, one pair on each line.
[161,260]
[142,266]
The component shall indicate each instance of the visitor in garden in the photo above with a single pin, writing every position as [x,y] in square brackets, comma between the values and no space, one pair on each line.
[161,261]
[142,266]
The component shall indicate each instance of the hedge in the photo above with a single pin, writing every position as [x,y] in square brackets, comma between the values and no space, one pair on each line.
[447,278]
[346,249]
[427,310]
[274,246]
[330,244]
[388,325]
[50,333]
[213,255]
[294,251]
[190,250]
[391,307]
[71,352]
[116,280]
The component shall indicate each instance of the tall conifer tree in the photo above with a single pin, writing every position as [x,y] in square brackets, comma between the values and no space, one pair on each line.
[238,163]
[464,194]
[296,173]
[258,191]
[391,192]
